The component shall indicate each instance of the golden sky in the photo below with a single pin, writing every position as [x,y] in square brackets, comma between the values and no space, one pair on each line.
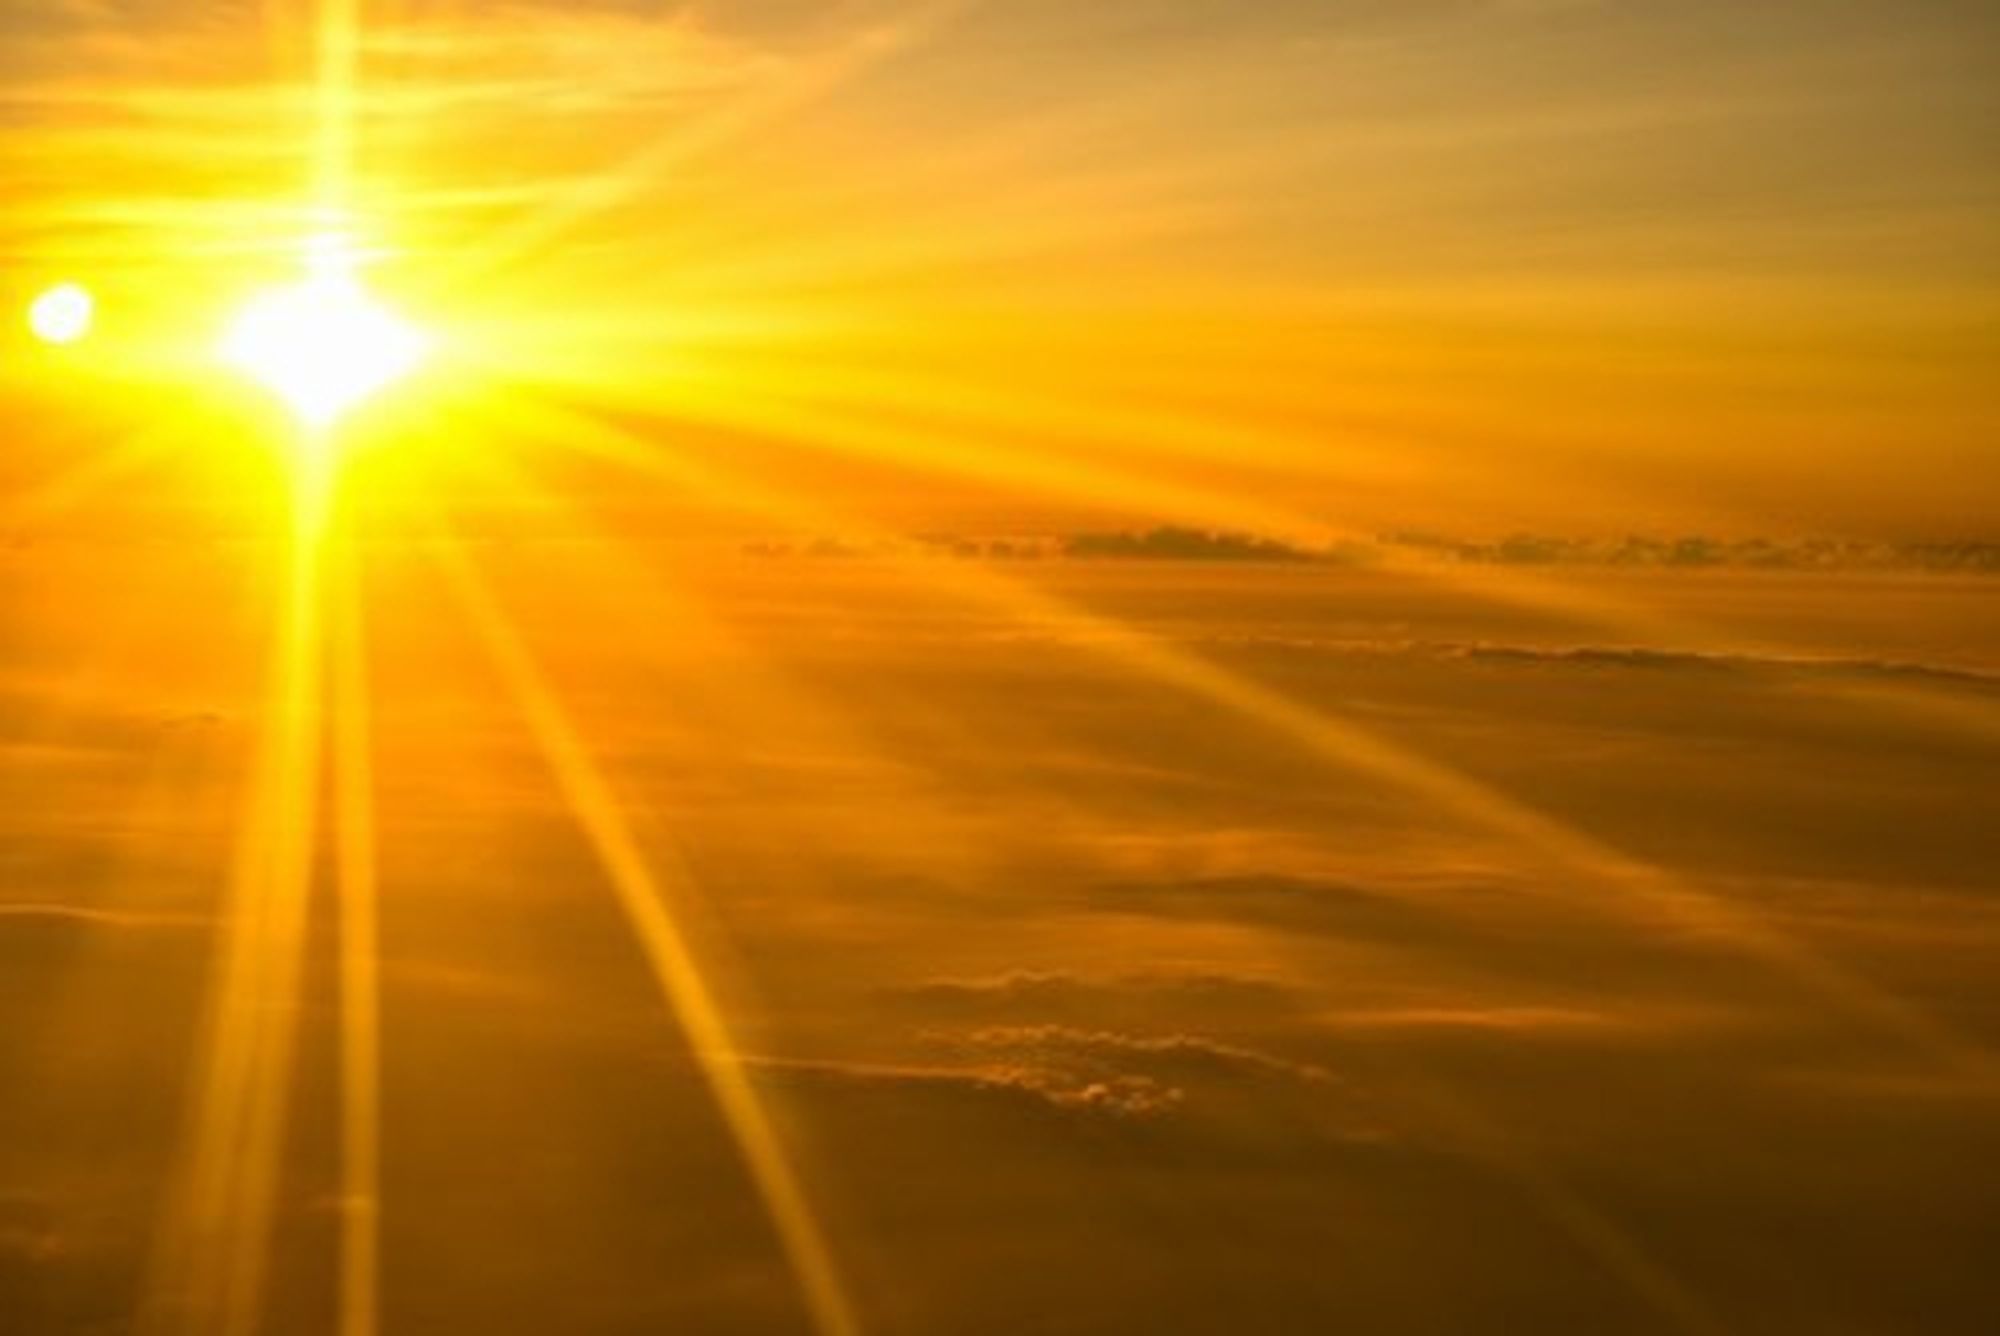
[1572,266]
[962,669]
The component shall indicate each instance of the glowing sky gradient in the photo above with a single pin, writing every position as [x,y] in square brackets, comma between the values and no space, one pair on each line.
[937,668]
[1698,264]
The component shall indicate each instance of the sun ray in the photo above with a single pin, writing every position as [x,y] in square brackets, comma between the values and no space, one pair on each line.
[89,476]
[775,689]
[810,82]
[1005,453]
[637,882]
[1617,1249]
[355,886]
[1641,890]
[335,105]
[218,1237]
[1336,738]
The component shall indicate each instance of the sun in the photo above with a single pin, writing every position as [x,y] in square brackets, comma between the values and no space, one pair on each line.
[323,345]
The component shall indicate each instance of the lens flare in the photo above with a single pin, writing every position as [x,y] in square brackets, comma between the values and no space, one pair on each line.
[62,315]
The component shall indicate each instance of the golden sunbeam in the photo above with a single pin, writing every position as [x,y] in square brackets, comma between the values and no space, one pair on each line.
[336,101]
[635,880]
[887,419]
[217,1238]
[605,191]
[1620,1252]
[1639,889]
[355,893]
[92,476]
[1352,748]
[1615,1247]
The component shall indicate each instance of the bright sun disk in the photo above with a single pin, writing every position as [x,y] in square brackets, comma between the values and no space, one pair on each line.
[323,345]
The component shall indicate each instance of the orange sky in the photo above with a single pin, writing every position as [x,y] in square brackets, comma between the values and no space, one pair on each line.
[645,685]
[1569,266]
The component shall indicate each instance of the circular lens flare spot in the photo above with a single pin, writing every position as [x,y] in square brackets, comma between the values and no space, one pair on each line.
[63,314]
[323,345]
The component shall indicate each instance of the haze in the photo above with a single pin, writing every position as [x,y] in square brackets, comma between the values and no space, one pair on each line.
[969,668]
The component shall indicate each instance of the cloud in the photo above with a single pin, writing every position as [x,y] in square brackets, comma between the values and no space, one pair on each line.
[1503,1020]
[1181,544]
[1689,661]
[1696,551]
[993,1088]
[88,916]
[1231,1099]
[1049,996]
[1189,1056]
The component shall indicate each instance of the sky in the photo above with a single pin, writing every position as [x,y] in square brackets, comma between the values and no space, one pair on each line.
[954,669]
[1566,266]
